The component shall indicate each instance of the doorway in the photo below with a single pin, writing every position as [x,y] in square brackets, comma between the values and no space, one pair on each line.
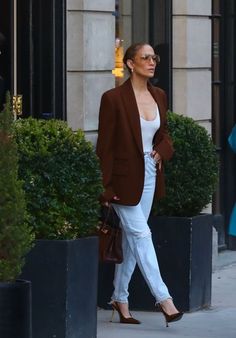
[33,59]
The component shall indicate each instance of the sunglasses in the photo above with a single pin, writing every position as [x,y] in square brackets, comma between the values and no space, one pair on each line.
[149,57]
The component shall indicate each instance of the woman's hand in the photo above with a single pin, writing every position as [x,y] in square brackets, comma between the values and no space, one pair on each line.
[107,204]
[157,158]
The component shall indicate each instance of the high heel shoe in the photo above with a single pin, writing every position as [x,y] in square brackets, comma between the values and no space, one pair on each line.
[123,320]
[170,318]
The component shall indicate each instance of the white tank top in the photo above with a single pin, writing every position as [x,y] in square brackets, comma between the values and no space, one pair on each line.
[148,129]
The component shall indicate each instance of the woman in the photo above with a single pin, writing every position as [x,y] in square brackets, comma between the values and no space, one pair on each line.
[232,222]
[132,144]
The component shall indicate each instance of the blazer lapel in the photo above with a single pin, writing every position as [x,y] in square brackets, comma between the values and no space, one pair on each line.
[132,112]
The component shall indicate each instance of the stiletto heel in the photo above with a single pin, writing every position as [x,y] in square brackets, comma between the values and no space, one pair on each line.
[170,318]
[123,320]
[112,315]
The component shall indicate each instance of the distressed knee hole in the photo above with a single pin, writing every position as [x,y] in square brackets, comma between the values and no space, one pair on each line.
[144,234]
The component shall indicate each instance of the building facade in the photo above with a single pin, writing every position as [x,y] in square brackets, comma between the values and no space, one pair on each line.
[62,55]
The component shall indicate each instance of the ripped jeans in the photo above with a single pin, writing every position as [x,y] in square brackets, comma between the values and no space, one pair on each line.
[137,243]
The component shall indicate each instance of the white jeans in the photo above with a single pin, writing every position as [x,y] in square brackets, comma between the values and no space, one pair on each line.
[137,243]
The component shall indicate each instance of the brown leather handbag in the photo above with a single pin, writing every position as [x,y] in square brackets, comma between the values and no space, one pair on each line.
[110,239]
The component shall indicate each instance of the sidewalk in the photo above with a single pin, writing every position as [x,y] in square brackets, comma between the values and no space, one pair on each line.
[217,322]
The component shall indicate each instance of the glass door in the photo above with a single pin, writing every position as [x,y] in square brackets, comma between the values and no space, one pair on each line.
[152,22]
[6,48]
[33,55]
[42,57]
[160,37]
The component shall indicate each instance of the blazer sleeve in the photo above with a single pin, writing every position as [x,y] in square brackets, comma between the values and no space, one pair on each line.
[165,146]
[105,145]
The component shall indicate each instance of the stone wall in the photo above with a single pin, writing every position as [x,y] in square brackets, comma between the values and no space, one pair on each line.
[192,60]
[90,59]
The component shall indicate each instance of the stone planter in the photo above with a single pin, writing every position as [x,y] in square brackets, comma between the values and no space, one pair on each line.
[15,309]
[64,287]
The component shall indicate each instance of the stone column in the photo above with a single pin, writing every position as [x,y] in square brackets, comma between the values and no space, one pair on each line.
[90,60]
[192,60]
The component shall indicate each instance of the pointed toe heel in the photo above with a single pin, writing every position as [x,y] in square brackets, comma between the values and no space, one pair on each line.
[170,318]
[123,320]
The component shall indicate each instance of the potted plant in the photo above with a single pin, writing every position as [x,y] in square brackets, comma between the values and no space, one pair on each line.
[62,183]
[182,236]
[16,237]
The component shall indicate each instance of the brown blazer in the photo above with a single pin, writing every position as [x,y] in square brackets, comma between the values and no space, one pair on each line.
[119,144]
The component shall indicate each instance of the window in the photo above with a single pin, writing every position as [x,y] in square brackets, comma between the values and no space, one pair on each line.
[145,21]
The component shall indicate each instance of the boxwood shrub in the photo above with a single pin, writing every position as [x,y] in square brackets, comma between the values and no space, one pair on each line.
[61,176]
[16,236]
[192,174]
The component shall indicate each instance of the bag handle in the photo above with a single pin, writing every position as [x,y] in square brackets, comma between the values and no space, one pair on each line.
[109,211]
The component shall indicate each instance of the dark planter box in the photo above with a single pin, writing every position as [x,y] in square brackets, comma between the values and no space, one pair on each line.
[184,250]
[64,287]
[15,310]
